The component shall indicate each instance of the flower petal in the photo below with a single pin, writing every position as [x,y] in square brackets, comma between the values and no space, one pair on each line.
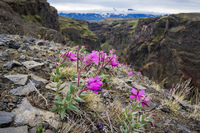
[141,92]
[132,97]
[134,91]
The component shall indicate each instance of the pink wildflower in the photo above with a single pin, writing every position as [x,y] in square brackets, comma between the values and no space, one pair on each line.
[138,72]
[130,73]
[114,62]
[77,47]
[69,55]
[83,46]
[103,56]
[94,84]
[145,102]
[171,91]
[152,125]
[137,94]
[92,58]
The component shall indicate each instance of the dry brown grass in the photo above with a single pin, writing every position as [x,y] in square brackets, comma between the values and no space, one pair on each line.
[179,93]
[71,68]
[93,101]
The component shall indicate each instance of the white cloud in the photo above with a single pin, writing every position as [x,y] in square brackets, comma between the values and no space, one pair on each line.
[161,6]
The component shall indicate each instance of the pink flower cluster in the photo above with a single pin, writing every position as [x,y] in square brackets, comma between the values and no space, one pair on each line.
[130,73]
[139,95]
[96,57]
[94,84]
[69,55]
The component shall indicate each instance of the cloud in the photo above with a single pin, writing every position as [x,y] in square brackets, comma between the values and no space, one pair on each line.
[161,6]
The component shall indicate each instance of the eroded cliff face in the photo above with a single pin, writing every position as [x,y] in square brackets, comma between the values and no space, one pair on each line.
[36,11]
[167,48]
[34,18]
[162,48]
[78,33]
[114,34]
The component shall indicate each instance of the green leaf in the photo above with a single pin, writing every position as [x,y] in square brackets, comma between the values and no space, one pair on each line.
[134,107]
[62,88]
[73,102]
[78,99]
[58,86]
[60,60]
[68,108]
[68,96]
[62,113]
[73,107]
[126,126]
[64,101]
[138,130]
[143,117]
[139,107]
[72,89]
[61,76]
[58,102]
[64,64]
[141,125]
[54,77]
[145,122]
[73,75]
[57,70]
[137,125]
[54,109]
[133,122]
[57,79]
[150,119]
[58,98]
[52,86]
[79,88]
[126,113]
[140,117]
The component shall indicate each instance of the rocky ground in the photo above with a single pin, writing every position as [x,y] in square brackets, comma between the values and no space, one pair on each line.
[26,98]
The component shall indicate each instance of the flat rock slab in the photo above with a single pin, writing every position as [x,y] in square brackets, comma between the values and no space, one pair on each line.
[32,64]
[27,114]
[22,129]
[13,63]
[139,87]
[40,42]
[23,90]
[39,79]
[19,79]
[5,117]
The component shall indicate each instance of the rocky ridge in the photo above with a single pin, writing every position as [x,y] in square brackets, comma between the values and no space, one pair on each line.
[164,48]
[27,72]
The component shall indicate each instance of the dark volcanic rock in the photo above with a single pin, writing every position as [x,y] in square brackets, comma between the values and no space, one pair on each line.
[5,117]
[11,64]
[13,44]
[2,44]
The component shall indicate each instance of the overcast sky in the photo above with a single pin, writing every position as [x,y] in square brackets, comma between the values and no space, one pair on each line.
[158,6]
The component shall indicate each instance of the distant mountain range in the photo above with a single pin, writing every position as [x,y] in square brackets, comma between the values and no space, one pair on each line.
[130,13]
